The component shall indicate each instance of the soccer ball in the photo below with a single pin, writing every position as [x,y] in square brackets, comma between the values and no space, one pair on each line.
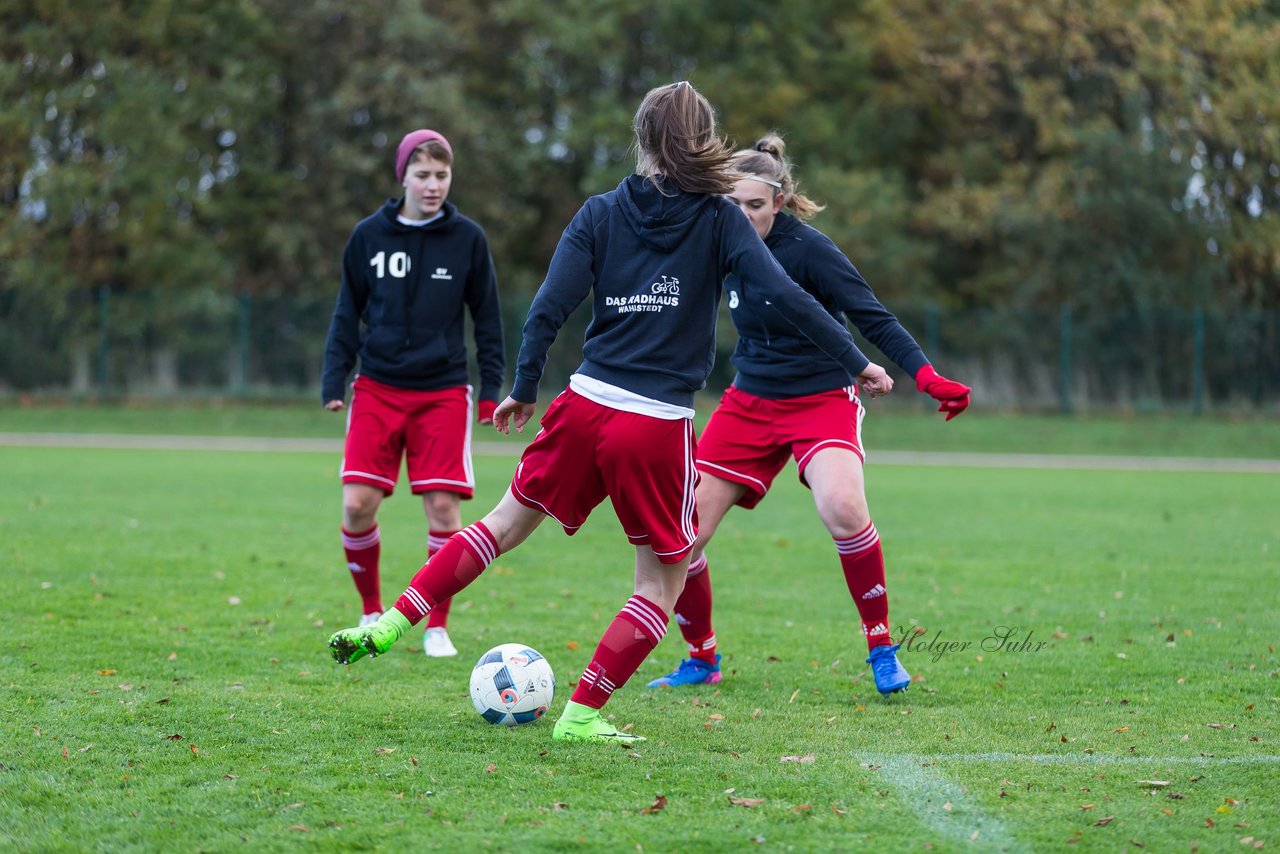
[512,684]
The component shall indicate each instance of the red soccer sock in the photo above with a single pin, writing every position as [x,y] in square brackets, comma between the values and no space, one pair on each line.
[632,635]
[693,613]
[438,617]
[863,562]
[363,551]
[458,563]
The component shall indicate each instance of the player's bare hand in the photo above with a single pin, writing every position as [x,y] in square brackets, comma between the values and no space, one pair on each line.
[517,413]
[333,405]
[875,380]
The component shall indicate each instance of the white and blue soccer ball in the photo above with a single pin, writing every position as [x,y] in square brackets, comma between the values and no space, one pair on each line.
[512,684]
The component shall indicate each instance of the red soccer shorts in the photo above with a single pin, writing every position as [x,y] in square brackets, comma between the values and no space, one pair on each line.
[749,438]
[586,452]
[430,429]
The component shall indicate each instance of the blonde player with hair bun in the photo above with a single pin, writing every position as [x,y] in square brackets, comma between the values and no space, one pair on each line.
[791,400]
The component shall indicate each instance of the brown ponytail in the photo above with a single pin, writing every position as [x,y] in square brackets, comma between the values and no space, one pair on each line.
[676,138]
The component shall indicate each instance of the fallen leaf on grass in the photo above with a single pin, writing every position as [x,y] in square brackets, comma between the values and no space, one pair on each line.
[195,751]
[659,804]
[162,700]
[175,737]
[802,807]
[65,753]
[1214,726]
[490,768]
[559,805]
[1121,729]
[571,645]
[794,694]
[301,828]
[1153,782]
[288,807]
[1104,821]
[86,747]
[107,672]
[414,760]
[839,811]
[380,751]
[807,759]
[947,806]
[746,802]
[1086,807]
[231,776]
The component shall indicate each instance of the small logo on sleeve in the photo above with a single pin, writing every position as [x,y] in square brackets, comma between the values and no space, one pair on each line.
[441,273]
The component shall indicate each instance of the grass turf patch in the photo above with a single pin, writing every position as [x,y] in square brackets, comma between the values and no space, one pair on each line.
[166,683]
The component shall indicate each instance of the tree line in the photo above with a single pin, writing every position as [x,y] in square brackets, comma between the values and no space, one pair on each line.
[1110,158]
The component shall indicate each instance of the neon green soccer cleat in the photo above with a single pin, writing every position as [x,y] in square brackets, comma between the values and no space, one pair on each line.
[351,645]
[584,723]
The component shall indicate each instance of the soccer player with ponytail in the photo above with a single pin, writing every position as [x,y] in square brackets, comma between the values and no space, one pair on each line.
[653,255]
[790,399]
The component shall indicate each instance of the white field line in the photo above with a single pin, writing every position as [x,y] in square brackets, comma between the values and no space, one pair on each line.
[124,441]
[942,805]
[1069,759]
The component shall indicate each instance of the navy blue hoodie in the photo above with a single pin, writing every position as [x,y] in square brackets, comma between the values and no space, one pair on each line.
[656,263]
[773,359]
[408,286]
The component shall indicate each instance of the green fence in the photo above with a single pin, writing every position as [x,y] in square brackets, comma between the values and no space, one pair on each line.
[108,345]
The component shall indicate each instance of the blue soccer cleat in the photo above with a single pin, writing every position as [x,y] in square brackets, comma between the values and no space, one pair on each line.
[890,675]
[691,671]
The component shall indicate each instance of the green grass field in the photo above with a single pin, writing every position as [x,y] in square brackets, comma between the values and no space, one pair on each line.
[898,426]
[166,684]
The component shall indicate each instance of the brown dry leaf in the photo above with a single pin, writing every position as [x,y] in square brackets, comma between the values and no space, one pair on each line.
[490,768]
[659,804]
[162,700]
[1209,822]
[65,753]
[1166,811]
[802,807]
[1214,726]
[301,828]
[175,737]
[173,656]
[794,694]
[288,807]
[195,751]
[1086,807]
[1153,782]
[380,751]
[746,802]
[231,776]
[715,717]
[756,713]
[107,672]
[559,805]
[571,645]
[947,806]
[414,760]
[1104,821]
[1051,727]
[839,811]
[803,760]
[1121,729]
[86,747]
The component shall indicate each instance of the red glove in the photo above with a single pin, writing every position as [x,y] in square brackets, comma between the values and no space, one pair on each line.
[484,411]
[953,396]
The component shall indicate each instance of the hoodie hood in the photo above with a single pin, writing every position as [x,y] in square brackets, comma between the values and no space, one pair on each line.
[391,208]
[661,219]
